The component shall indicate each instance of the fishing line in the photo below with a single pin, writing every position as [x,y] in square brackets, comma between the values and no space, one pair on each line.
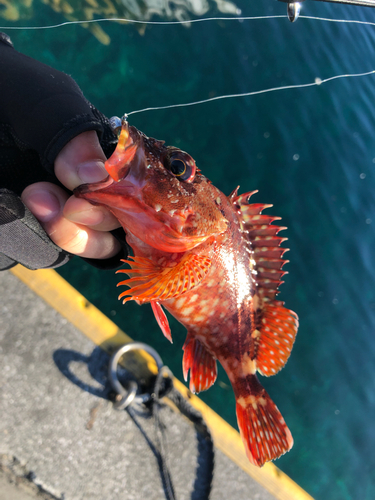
[191,21]
[317,81]
[137,21]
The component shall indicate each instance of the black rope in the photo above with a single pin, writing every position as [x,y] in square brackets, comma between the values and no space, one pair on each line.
[205,468]
[206,452]
[160,389]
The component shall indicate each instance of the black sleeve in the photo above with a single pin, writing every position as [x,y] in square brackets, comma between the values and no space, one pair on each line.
[41,110]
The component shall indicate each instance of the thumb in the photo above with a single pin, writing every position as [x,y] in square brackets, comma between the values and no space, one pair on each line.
[81,161]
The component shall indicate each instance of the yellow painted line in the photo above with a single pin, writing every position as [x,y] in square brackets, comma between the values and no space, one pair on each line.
[102,331]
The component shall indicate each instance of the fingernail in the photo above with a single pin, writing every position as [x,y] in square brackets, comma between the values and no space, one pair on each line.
[43,204]
[92,171]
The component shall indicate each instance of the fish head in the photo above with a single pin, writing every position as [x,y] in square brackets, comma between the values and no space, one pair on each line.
[158,194]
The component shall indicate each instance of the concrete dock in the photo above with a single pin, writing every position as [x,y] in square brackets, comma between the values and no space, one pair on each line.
[60,436]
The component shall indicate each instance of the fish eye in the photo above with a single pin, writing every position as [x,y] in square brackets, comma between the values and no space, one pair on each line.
[183,168]
[178,167]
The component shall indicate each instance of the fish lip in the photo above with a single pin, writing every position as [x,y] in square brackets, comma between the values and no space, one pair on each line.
[106,185]
[82,189]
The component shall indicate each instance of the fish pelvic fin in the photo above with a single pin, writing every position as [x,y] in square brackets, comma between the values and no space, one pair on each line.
[274,337]
[202,365]
[149,282]
[162,320]
[262,427]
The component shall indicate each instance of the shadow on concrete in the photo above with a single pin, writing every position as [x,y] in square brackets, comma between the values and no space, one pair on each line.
[96,364]
[79,368]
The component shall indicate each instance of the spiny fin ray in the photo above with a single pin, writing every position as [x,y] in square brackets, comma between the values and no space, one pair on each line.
[150,282]
[202,365]
[265,244]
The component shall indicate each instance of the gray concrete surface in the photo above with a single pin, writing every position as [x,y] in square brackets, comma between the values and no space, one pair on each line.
[12,491]
[9,491]
[60,433]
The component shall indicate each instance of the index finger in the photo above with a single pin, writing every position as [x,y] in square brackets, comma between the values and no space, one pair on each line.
[81,161]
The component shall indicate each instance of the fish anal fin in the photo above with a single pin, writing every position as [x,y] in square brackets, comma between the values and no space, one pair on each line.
[162,320]
[275,336]
[262,427]
[202,365]
[150,282]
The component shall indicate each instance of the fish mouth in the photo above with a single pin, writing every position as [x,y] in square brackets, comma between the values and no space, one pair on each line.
[109,192]
[128,155]
[108,185]
[126,169]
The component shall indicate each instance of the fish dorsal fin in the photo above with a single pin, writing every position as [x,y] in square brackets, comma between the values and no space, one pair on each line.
[276,326]
[152,282]
[265,243]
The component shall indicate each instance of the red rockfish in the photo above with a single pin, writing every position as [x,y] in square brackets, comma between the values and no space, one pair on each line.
[215,263]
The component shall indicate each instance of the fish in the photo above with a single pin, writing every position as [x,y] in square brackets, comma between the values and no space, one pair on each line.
[215,263]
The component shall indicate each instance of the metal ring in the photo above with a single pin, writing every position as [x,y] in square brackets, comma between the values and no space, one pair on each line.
[129,394]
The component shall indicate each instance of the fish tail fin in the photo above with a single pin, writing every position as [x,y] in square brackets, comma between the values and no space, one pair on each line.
[263,429]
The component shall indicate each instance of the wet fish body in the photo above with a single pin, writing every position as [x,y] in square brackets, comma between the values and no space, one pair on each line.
[215,263]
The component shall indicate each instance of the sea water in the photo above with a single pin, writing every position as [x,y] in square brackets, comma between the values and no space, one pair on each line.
[310,152]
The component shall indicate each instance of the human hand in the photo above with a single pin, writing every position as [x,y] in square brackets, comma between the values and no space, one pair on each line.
[74,224]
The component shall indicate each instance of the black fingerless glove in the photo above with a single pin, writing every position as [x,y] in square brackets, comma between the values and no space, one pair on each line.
[41,110]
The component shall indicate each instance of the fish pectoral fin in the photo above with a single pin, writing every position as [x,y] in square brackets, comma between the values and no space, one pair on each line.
[162,320]
[202,365]
[262,427]
[149,282]
[274,338]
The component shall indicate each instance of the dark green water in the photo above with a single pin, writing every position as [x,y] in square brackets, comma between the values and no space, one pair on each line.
[310,152]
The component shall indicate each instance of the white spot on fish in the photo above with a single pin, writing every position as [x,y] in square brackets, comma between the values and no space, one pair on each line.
[242,402]
[199,318]
[180,302]
[188,311]
[215,302]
